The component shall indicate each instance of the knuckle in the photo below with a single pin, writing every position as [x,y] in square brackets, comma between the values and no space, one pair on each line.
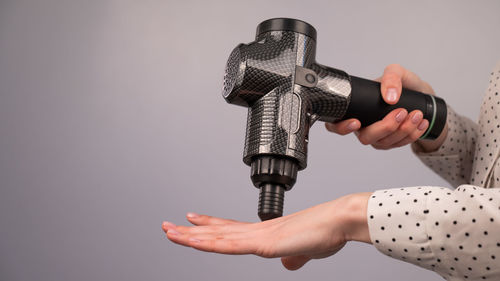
[391,77]
[380,146]
[407,128]
[343,132]
[384,143]
[389,127]
[363,139]
[393,66]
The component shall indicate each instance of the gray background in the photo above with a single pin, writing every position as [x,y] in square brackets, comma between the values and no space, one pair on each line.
[111,121]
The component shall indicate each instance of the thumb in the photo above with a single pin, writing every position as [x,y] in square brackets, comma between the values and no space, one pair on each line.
[294,262]
[391,83]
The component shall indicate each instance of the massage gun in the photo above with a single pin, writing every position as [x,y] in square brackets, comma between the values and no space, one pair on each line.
[286,91]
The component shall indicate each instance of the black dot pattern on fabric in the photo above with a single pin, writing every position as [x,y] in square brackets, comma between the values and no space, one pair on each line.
[450,162]
[469,153]
[440,241]
[455,233]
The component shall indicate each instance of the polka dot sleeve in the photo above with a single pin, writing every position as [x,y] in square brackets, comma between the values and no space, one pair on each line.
[455,233]
[453,160]
[470,151]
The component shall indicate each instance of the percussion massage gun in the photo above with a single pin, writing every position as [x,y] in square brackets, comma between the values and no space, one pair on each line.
[286,91]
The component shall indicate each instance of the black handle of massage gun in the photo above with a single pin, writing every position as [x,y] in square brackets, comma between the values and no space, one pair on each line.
[368,106]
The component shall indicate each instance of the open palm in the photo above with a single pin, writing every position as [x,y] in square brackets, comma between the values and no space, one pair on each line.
[317,232]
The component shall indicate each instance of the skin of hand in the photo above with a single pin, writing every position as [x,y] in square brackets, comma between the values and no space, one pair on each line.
[398,128]
[314,233]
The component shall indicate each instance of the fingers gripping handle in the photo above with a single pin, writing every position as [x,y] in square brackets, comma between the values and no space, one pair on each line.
[368,106]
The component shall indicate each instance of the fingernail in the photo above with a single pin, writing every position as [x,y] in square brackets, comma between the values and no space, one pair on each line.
[194,240]
[401,116]
[173,232]
[417,117]
[352,126]
[192,215]
[423,125]
[392,94]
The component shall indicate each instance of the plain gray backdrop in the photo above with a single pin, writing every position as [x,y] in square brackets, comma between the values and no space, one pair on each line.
[112,120]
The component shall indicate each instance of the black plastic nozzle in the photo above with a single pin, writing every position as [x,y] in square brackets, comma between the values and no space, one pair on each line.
[273,175]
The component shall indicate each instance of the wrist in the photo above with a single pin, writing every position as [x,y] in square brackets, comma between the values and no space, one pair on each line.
[355,215]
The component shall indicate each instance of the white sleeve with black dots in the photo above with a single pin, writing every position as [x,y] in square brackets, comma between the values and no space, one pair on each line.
[455,233]
[453,160]
[470,151]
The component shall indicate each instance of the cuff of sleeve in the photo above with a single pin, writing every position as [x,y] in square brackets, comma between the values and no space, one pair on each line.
[396,221]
